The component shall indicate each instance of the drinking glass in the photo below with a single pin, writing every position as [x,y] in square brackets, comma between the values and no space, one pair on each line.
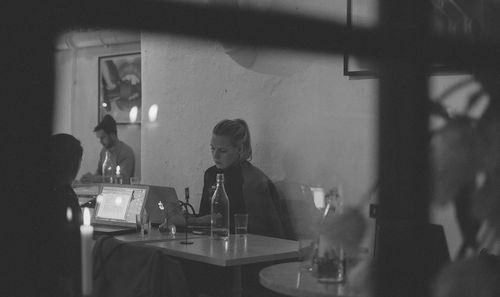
[135,180]
[331,263]
[143,224]
[167,227]
[306,250]
[240,224]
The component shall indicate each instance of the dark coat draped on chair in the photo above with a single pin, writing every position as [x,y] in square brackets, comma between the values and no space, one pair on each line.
[131,270]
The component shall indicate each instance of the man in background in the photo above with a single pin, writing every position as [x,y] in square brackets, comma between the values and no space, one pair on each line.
[120,153]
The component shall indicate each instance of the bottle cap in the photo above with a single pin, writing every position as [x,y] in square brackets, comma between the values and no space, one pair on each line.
[220,177]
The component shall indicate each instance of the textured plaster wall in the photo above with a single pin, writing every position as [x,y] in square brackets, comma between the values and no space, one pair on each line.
[316,117]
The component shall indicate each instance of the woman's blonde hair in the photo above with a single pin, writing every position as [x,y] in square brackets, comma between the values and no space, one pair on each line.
[239,135]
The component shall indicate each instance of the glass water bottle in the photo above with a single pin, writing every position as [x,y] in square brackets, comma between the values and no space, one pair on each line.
[219,220]
[108,168]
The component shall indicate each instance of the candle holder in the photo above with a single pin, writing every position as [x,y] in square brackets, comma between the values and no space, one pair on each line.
[186,214]
[86,232]
[186,221]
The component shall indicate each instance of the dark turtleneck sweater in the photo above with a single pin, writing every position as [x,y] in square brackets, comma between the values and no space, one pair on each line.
[249,191]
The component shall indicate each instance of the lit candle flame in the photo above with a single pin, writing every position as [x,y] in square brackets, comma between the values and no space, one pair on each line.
[118,170]
[86,232]
[86,216]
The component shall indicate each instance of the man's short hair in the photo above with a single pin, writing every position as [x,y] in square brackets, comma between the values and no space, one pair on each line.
[107,124]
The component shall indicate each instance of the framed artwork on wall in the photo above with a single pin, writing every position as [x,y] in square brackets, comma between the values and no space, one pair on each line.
[120,88]
[448,18]
[360,14]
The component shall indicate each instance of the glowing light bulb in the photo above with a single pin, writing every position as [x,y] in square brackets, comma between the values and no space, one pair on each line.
[153,113]
[134,111]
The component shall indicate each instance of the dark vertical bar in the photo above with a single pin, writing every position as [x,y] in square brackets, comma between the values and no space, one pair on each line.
[26,120]
[403,149]
[403,108]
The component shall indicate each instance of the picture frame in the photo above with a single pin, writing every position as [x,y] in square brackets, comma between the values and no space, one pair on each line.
[447,19]
[360,13]
[120,87]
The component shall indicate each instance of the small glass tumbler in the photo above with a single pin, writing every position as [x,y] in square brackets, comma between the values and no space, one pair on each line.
[143,224]
[167,227]
[306,251]
[330,264]
[241,224]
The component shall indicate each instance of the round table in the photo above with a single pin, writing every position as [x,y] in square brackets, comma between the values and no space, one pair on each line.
[286,279]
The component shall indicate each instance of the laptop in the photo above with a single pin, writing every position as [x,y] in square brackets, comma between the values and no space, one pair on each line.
[116,207]
[160,200]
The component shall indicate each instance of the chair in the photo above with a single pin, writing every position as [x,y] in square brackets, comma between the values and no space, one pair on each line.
[424,247]
[297,210]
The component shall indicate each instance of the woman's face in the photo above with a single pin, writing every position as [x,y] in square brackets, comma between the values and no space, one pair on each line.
[223,152]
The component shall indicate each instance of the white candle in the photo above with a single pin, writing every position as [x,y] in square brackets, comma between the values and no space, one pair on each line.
[118,170]
[86,231]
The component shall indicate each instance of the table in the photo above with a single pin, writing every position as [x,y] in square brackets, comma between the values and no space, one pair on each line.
[125,266]
[235,252]
[287,279]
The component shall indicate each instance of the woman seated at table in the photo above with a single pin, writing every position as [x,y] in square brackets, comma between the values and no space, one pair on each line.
[249,190]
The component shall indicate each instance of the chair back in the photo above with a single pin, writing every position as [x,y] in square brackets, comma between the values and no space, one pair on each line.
[424,248]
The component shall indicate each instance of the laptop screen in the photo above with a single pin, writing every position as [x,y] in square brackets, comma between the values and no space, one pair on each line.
[118,204]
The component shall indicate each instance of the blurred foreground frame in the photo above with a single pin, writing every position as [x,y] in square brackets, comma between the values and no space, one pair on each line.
[448,18]
[403,143]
